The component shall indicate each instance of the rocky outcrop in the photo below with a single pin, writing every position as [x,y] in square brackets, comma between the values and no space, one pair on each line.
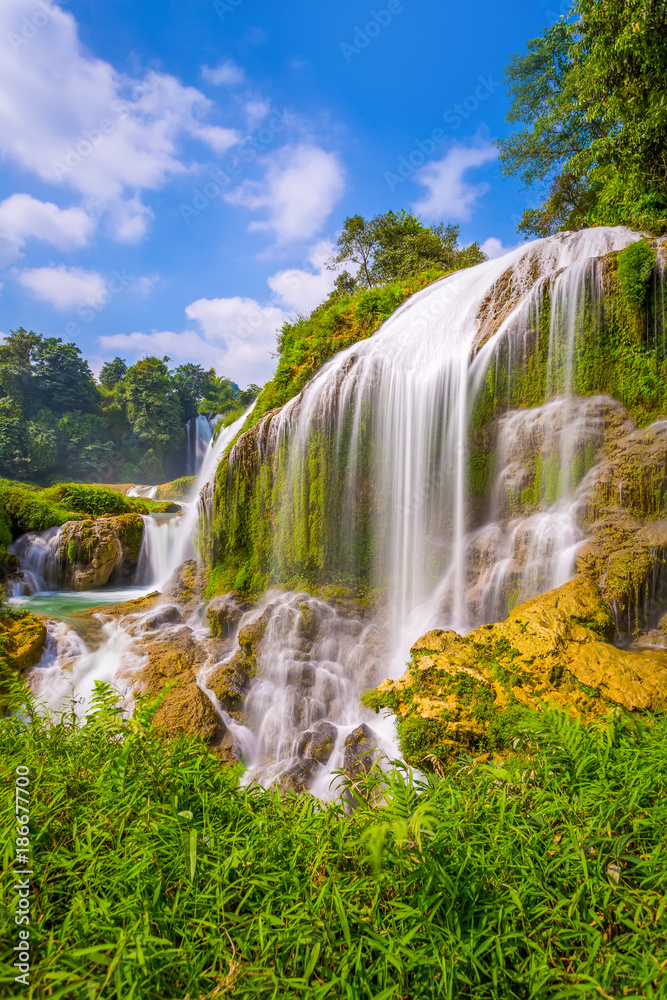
[92,552]
[22,638]
[553,648]
[224,613]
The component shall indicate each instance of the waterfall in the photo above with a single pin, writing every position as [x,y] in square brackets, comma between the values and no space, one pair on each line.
[169,539]
[39,555]
[395,412]
[197,438]
[379,445]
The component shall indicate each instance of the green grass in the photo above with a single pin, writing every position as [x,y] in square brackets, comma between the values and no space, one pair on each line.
[157,877]
[24,507]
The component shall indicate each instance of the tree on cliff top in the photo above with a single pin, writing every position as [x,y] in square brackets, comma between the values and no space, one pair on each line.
[396,245]
[590,99]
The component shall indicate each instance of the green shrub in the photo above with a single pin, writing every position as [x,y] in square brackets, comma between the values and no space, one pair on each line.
[156,875]
[635,267]
[93,500]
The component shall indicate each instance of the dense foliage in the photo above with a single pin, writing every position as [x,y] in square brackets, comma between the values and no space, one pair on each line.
[590,99]
[56,421]
[156,875]
[31,508]
[397,245]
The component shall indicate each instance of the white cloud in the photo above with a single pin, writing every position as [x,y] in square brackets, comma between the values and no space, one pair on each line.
[450,196]
[493,247]
[181,347]
[23,217]
[226,74]
[256,111]
[64,287]
[299,290]
[72,119]
[237,335]
[301,186]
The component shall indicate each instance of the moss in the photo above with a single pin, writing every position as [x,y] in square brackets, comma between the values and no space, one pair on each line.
[635,267]
[22,638]
[177,489]
[71,550]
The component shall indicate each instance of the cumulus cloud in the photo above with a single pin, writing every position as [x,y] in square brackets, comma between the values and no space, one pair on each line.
[450,195]
[237,335]
[181,347]
[493,247]
[300,290]
[73,120]
[226,74]
[64,287]
[23,217]
[298,192]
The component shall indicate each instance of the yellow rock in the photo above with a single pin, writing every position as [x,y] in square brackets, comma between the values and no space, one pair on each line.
[552,648]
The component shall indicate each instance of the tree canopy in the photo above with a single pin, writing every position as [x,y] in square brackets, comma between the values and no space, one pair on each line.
[396,245]
[56,420]
[589,97]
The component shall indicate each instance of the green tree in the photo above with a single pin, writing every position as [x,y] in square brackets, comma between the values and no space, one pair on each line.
[192,384]
[590,99]
[113,372]
[397,244]
[153,407]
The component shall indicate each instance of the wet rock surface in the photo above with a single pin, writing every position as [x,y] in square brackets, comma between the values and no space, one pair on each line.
[361,752]
[91,553]
[318,743]
[552,648]
[224,614]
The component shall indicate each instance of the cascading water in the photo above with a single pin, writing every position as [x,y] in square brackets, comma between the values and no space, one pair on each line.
[38,555]
[396,412]
[198,434]
[68,670]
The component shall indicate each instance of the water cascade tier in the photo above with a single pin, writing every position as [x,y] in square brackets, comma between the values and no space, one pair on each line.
[467,456]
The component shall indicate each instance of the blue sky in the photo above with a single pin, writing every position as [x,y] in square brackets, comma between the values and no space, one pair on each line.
[173,175]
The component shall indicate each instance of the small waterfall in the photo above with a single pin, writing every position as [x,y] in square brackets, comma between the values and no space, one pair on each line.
[147,492]
[197,439]
[39,555]
[66,674]
[169,539]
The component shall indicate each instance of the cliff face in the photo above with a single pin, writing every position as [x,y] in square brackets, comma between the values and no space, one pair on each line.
[312,513]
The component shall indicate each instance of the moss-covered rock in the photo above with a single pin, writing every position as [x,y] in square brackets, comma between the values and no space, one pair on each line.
[22,638]
[177,489]
[556,648]
[92,552]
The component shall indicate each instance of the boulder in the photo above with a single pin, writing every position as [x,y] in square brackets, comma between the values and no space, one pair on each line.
[361,752]
[185,585]
[318,743]
[554,648]
[299,776]
[224,613]
[92,552]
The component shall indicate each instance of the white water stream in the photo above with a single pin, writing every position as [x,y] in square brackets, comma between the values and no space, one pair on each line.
[409,390]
